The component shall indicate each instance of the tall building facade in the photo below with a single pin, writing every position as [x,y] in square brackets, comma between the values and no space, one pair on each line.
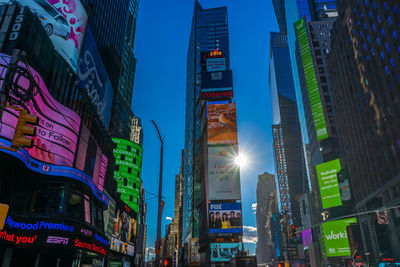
[363,66]
[266,207]
[288,153]
[209,31]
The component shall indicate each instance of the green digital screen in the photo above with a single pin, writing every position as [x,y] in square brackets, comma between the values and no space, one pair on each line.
[128,165]
[311,80]
[328,183]
[335,237]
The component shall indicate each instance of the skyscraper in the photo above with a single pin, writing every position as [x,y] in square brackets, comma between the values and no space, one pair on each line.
[266,207]
[363,67]
[209,31]
[287,143]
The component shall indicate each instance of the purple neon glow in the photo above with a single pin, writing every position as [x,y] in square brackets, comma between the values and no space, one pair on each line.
[307,237]
[58,128]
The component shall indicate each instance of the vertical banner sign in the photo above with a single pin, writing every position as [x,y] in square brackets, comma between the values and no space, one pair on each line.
[335,237]
[93,79]
[128,165]
[222,124]
[328,183]
[311,79]
[223,174]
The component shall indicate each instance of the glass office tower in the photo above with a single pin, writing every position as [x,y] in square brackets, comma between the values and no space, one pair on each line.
[209,31]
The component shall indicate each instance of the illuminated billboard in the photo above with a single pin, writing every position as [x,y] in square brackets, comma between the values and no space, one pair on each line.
[54,147]
[222,124]
[128,165]
[328,183]
[306,236]
[124,232]
[216,64]
[311,79]
[63,21]
[335,237]
[223,174]
[224,251]
[93,79]
[216,81]
[224,218]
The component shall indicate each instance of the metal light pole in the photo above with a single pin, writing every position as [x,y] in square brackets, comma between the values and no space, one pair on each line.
[158,240]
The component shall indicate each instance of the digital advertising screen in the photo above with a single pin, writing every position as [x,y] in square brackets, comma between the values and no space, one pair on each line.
[223,174]
[224,218]
[128,165]
[311,79]
[216,64]
[124,233]
[63,21]
[93,79]
[57,134]
[216,81]
[222,124]
[306,236]
[224,251]
[328,183]
[335,237]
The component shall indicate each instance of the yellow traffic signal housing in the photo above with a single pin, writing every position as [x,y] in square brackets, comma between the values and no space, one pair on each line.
[3,214]
[23,129]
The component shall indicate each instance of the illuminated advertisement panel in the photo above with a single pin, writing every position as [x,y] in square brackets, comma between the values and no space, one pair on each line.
[124,233]
[55,144]
[222,124]
[306,237]
[224,218]
[216,64]
[93,79]
[328,183]
[216,81]
[335,237]
[223,174]
[64,22]
[224,251]
[55,232]
[128,165]
[311,79]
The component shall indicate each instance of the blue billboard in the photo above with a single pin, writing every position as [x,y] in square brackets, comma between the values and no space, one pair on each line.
[93,79]
[216,81]
[224,218]
[224,251]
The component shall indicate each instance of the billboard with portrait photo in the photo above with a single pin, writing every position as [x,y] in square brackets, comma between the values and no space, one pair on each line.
[223,174]
[224,218]
[124,232]
[63,21]
[222,124]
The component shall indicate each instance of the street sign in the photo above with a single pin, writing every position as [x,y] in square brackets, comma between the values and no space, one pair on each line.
[382,217]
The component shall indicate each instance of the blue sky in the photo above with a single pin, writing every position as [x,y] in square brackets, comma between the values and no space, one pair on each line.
[161,45]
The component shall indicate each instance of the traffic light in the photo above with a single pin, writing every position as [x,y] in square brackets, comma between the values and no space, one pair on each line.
[3,214]
[167,262]
[23,129]
[293,232]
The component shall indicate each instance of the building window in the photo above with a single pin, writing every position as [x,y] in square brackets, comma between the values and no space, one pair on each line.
[387,70]
[122,157]
[385,6]
[373,27]
[47,199]
[383,33]
[75,204]
[387,47]
[390,20]
[374,5]
[128,148]
[129,170]
[382,55]
[395,35]
[392,62]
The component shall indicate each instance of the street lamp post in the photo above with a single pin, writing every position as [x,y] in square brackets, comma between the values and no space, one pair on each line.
[158,240]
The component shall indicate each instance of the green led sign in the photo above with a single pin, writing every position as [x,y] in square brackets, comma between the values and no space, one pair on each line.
[335,237]
[328,183]
[128,165]
[311,79]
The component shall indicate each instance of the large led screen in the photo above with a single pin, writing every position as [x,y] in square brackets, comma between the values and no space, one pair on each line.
[54,147]
[223,174]
[224,251]
[224,218]
[93,79]
[216,64]
[128,165]
[64,22]
[124,233]
[311,79]
[335,237]
[328,183]
[222,124]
